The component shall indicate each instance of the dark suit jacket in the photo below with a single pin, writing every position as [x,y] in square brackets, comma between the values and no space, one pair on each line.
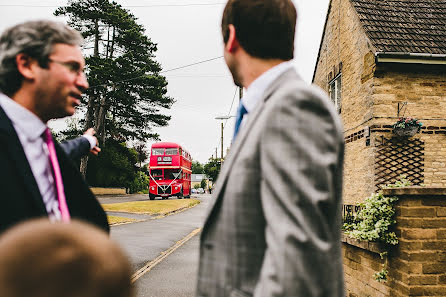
[20,198]
[76,148]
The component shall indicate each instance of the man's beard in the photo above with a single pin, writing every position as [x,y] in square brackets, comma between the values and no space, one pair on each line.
[233,68]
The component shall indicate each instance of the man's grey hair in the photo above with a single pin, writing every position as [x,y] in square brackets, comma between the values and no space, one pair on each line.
[35,39]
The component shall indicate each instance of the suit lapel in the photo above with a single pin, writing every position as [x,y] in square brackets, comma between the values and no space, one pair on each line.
[10,139]
[240,140]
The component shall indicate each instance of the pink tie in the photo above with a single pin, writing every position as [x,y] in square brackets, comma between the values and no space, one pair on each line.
[57,177]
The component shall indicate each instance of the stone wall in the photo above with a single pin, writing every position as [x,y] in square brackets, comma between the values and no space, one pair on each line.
[361,262]
[417,265]
[370,96]
[346,49]
[345,43]
[423,88]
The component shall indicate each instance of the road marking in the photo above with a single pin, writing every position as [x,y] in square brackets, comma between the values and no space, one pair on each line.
[163,255]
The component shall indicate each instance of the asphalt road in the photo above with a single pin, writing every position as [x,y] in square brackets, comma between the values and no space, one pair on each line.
[175,275]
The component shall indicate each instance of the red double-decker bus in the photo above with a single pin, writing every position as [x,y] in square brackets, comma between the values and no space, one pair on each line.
[170,171]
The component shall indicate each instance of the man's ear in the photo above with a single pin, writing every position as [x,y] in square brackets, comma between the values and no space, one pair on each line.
[26,66]
[232,44]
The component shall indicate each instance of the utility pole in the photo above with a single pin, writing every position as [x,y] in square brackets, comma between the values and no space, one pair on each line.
[216,156]
[222,127]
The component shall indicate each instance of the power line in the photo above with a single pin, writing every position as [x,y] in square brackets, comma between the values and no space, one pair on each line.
[125,6]
[229,112]
[232,103]
[199,75]
[172,69]
[196,63]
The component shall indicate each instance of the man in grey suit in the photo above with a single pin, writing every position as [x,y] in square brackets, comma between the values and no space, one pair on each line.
[274,226]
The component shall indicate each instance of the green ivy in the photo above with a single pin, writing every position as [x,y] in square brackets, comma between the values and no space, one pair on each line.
[375,220]
[403,182]
[381,276]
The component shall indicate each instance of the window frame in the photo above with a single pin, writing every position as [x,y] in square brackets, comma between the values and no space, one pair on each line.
[167,151]
[158,149]
[335,92]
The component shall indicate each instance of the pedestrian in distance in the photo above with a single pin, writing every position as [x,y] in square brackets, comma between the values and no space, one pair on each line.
[41,78]
[43,259]
[274,226]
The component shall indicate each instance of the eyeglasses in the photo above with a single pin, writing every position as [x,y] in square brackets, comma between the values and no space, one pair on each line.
[73,67]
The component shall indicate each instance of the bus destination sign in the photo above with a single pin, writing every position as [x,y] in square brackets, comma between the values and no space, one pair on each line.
[164,160]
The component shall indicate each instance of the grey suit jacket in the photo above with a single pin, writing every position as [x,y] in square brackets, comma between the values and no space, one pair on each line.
[275,223]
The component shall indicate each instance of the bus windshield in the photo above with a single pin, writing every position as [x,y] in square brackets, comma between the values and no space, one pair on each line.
[157,174]
[172,173]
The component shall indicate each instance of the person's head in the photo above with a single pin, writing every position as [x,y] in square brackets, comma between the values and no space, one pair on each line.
[41,259]
[263,28]
[41,67]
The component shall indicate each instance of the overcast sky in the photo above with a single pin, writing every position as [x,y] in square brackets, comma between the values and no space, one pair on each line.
[186,32]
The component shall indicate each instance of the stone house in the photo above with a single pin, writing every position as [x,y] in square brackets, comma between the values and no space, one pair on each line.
[197,178]
[380,60]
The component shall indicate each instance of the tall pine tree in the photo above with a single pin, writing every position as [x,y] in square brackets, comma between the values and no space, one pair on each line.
[127,94]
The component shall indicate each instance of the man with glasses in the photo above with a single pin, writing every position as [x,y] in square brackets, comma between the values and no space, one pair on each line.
[41,78]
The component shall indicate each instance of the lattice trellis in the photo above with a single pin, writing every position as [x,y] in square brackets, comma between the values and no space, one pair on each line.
[397,156]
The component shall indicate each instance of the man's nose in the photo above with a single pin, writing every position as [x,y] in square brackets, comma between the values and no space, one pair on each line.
[82,82]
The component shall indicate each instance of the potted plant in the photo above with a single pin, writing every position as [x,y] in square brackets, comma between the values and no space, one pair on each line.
[406,127]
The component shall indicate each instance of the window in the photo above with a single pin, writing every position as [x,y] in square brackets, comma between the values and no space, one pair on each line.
[157,174]
[171,151]
[172,173]
[335,92]
[157,151]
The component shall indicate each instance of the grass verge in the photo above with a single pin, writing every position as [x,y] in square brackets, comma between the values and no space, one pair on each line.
[113,220]
[154,207]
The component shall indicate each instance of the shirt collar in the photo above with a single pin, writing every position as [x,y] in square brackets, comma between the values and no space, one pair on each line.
[259,85]
[28,123]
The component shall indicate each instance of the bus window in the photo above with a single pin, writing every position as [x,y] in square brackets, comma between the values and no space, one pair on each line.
[171,151]
[172,173]
[157,174]
[158,151]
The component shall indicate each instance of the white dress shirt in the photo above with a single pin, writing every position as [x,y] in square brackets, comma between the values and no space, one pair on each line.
[91,140]
[255,91]
[30,129]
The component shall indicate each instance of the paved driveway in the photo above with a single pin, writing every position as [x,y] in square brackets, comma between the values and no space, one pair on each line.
[144,241]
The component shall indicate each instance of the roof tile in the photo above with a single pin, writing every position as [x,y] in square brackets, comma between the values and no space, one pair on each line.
[415,26]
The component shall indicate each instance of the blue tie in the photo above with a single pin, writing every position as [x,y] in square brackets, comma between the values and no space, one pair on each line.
[241,111]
